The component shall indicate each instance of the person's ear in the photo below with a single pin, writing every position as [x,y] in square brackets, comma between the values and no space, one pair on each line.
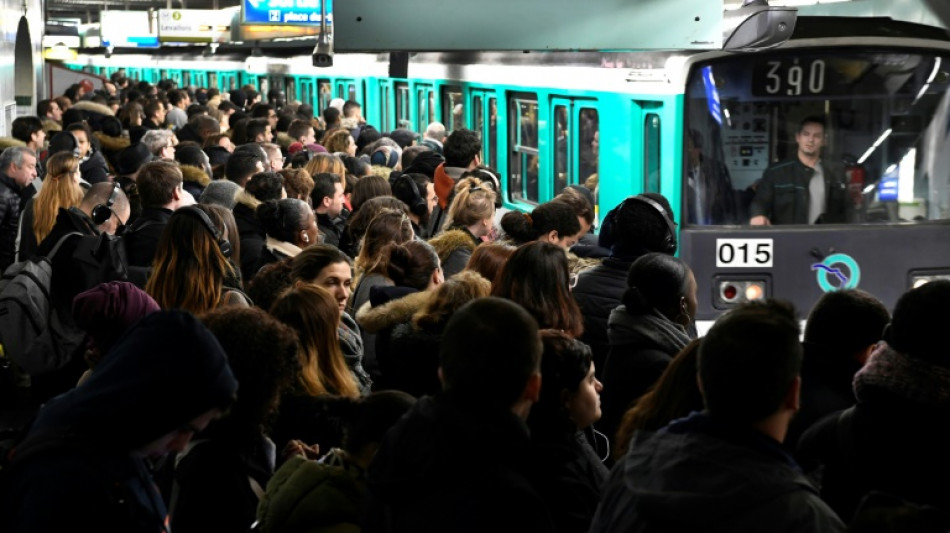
[304,237]
[532,389]
[552,236]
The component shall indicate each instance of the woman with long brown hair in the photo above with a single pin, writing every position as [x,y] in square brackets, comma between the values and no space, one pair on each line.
[191,270]
[315,315]
[61,189]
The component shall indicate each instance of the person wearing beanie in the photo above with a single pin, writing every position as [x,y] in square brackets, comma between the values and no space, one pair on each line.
[85,454]
[220,192]
[105,312]
[639,225]
[892,440]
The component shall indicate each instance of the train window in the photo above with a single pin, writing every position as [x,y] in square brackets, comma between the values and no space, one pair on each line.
[162,74]
[478,121]
[562,163]
[351,92]
[492,133]
[212,79]
[263,87]
[402,106]
[453,110]
[385,118]
[432,114]
[290,90]
[326,93]
[589,138]
[186,78]
[523,148]
[651,153]
[425,107]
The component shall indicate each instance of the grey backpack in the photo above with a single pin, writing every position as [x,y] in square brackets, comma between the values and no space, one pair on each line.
[31,332]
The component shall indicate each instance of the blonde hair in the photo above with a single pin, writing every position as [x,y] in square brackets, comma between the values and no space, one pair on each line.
[315,315]
[322,162]
[59,191]
[448,297]
[474,201]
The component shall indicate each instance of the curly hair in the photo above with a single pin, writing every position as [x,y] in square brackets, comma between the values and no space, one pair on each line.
[448,298]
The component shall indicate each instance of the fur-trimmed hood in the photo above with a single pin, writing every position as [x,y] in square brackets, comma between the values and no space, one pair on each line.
[390,314]
[93,107]
[111,144]
[283,140]
[51,125]
[8,142]
[195,175]
[245,198]
[451,240]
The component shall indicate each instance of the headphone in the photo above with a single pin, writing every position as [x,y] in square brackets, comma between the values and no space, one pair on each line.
[409,189]
[223,244]
[668,246]
[102,213]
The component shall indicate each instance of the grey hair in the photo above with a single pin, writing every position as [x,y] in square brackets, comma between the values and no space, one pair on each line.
[155,140]
[14,154]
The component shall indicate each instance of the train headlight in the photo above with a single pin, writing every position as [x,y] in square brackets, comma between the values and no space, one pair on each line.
[918,279]
[731,291]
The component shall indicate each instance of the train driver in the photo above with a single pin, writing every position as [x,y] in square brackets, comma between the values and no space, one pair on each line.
[803,189]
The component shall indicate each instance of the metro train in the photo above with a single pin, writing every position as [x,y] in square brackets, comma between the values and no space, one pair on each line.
[642,122]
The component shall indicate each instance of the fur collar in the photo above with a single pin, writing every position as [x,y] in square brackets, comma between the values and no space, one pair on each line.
[286,248]
[111,144]
[8,142]
[392,313]
[283,140]
[51,125]
[907,377]
[92,107]
[451,240]
[247,199]
[195,175]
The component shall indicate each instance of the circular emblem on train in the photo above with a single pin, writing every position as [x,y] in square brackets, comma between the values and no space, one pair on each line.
[176,15]
[836,272]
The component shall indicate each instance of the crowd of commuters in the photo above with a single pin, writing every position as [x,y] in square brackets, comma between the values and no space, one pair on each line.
[299,323]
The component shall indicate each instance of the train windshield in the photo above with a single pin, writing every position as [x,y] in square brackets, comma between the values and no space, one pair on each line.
[817,136]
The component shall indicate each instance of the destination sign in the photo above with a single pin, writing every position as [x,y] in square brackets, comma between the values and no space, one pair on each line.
[303,12]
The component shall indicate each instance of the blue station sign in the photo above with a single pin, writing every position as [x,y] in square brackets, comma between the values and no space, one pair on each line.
[303,12]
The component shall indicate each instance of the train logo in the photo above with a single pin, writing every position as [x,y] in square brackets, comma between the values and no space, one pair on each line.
[836,272]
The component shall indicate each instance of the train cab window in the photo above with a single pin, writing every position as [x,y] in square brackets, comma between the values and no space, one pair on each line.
[651,153]
[402,106]
[523,157]
[453,108]
[876,120]
[325,90]
[589,139]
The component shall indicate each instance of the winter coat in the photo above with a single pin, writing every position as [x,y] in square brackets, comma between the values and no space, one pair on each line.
[399,367]
[332,230]
[455,247]
[696,476]
[598,292]
[252,234]
[142,237]
[9,219]
[358,298]
[195,180]
[641,347]
[441,468]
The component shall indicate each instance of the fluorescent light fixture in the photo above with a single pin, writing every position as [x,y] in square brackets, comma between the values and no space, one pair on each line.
[874,146]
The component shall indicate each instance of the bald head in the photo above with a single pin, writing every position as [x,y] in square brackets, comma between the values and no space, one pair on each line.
[99,194]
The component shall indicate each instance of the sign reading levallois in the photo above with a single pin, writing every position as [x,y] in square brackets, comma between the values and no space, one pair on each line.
[194,25]
[284,12]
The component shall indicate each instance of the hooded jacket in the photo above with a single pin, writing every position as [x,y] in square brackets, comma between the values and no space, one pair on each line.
[697,476]
[396,364]
[252,234]
[80,458]
[446,468]
[195,180]
[641,347]
[455,247]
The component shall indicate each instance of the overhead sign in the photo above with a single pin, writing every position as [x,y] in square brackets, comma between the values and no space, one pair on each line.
[304,12]
[127,29]
[194,25]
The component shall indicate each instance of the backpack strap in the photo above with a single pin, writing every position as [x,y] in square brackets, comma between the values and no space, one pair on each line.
[59,243]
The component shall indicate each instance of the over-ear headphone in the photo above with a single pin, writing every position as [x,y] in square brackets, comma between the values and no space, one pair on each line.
[409,193]
[669,244]
[102,213]
[223,244]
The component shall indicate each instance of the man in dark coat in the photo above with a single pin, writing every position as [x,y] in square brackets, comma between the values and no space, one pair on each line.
[160,187]
[17,171]
[724,469]
[456,462]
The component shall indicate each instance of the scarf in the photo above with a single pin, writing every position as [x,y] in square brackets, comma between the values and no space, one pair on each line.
[908,377]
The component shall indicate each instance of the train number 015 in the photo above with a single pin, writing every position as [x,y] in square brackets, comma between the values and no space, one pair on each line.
[744,253]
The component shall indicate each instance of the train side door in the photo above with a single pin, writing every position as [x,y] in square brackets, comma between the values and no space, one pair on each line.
[483,113]
[425,106]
